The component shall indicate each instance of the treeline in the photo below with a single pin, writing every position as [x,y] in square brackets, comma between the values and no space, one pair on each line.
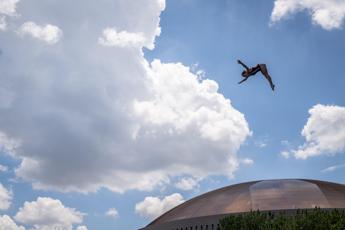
[316,219]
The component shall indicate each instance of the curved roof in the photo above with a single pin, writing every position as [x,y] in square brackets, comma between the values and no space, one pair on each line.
[260,195]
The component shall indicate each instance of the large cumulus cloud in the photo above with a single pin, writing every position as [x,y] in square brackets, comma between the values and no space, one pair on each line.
[90,111]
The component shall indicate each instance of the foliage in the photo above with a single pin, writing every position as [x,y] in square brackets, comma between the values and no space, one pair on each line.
[316,219]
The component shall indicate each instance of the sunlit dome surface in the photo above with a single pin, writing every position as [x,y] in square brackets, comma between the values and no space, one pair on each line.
[259,195]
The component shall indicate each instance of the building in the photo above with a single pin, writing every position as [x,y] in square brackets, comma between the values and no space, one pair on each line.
[203,212]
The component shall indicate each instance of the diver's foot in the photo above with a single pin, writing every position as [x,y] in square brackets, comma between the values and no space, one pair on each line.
[273,86]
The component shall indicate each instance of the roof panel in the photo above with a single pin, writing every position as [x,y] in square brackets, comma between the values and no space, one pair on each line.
[262,195]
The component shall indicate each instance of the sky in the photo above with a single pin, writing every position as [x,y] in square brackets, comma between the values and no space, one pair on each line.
[113,112]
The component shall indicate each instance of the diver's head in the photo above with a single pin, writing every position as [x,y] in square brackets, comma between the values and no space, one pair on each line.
[245,74]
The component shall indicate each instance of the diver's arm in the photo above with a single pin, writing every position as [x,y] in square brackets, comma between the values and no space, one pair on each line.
[244,65]
[245,79]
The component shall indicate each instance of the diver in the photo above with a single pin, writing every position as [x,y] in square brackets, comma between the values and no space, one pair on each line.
[252,71]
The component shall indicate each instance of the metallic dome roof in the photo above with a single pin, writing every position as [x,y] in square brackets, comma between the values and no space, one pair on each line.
[260,195]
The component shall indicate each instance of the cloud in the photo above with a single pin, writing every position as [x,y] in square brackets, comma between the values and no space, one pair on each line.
[285,143]
[48,33]
[112,212]
[143,38]
[88,116]
[3,168]
[187,183]
[111,37]
[324,132]
[5,198]
[328,14]
[8,7]
[152,207]
[247,161]
[8,145]
[189,117]
[3,24]
[46,213]
[261,145]
[285,154]
[6,223]
[81,228]
[333,168]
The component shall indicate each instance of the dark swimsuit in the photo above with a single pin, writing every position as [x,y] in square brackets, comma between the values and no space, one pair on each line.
[254,70]
[259,67]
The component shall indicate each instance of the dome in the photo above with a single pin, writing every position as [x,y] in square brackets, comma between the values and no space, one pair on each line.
[265,195]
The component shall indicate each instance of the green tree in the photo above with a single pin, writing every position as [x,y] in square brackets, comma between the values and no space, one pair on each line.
[316,219]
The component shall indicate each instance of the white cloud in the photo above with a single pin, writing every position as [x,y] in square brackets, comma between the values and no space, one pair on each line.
[3,24]
[81,228]
[285,143]
[152,207]
[111,37]
[187,183]
[324,132]
[8,145]
[6,223]
[262,145]
[5,198]
[46,213]
[205,128]
[112,212]
[247,161]
[8,7]
[285,154]
[180,101]
[328,14]
[89,116]
[48,33]
[333,168]
[144,35]
[3,168]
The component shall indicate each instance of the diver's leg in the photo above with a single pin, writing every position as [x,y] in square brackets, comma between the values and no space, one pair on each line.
[268,77]
[264,72]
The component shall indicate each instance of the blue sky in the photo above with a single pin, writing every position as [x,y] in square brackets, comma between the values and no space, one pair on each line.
[129,105]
